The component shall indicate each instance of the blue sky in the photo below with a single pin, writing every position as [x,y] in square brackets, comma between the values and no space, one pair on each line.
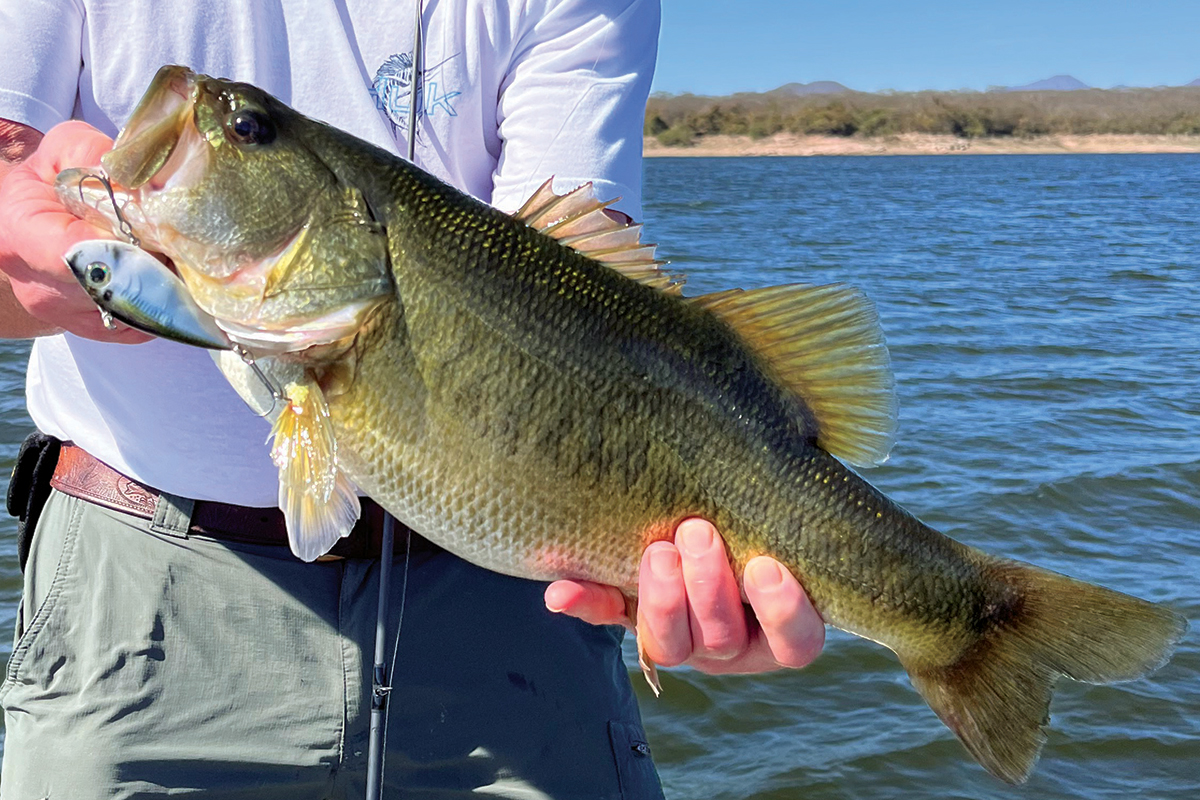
[725,46]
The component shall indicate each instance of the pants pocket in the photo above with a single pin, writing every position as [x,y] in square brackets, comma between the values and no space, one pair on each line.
[635,768]
[47,576]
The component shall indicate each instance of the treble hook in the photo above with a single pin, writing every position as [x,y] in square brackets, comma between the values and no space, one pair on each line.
[122,224]
[276,394]
[127,229]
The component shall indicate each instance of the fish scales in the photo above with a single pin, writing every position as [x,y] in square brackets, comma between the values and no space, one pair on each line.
[492,389]
[547,412]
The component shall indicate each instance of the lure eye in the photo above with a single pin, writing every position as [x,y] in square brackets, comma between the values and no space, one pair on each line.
[98,273]
[250,127]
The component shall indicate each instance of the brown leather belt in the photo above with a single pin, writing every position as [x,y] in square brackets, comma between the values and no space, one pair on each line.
[81,475]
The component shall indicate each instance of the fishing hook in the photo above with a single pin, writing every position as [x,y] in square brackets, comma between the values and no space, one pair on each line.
[247,359]
[127,230]
[122,223]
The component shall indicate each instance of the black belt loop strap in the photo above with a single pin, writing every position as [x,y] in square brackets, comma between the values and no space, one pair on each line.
[29,487]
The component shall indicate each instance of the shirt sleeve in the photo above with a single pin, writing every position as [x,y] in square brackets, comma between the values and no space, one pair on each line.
[573,101]
[40,61]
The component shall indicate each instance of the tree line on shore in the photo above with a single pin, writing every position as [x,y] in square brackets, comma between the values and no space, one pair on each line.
[680,120]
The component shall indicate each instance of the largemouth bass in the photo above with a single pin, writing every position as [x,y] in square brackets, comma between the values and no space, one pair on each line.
[531,392]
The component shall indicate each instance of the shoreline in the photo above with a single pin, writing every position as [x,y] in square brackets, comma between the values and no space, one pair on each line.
[922,144]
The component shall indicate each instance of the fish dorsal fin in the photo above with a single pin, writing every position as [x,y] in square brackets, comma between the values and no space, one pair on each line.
[319,504]
[825,344]
[577,219]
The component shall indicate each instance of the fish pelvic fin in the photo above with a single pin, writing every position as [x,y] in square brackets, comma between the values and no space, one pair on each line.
[996,696]
[825,344]
[320,505]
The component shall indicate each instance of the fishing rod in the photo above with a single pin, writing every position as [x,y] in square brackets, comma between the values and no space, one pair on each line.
[413,96]
[380,687]
[380,678]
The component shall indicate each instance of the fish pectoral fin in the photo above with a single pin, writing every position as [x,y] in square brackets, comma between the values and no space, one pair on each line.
[996,696]
[825,344]
[577,219]
[320,505]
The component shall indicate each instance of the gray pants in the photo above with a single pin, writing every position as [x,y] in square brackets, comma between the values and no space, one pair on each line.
[148,662]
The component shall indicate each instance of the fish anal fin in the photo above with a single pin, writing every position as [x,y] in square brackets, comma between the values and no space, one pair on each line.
[824,343]
[578,220]
[320,505]
[996,696]
[649,668]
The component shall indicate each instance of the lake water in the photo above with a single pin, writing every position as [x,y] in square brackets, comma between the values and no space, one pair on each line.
[1043,315]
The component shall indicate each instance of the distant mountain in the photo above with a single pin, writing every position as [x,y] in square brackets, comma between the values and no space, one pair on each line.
[816,87]
[1059,83]
[1193,83]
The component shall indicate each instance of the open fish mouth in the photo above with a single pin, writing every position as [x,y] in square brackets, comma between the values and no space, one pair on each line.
[166,185]
[155,128]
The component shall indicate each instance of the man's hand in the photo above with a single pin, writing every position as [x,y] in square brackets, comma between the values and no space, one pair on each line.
[35,231]
[690,610]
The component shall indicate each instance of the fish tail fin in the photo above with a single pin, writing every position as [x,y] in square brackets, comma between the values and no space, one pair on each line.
[996,696]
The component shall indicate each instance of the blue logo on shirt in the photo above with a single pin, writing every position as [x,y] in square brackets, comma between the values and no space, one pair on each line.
[391,90]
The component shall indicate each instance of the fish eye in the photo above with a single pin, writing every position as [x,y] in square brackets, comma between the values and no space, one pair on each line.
[250,127]
[98,273]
